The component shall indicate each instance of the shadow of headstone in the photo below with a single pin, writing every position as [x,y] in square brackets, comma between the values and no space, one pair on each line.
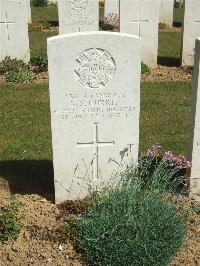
[29,177]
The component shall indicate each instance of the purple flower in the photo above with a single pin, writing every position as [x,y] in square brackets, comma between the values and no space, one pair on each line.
[153,150]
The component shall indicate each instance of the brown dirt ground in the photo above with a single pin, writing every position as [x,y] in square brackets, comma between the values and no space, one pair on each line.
[41,241]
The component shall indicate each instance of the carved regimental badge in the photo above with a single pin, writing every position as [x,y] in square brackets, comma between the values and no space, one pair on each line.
[94,68]
[79,6]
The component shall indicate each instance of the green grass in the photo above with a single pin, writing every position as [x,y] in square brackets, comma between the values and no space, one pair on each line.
[25,119]
[38,41]
[44,14]
[169,45]
[165,111]
[25,122]
[178,16]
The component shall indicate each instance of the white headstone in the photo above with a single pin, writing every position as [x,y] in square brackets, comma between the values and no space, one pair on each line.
[78,15]
[111,7]
[14,41]
[191,30]
[28,8]
[141,18]
[194,148]
[95,103]
[166,12]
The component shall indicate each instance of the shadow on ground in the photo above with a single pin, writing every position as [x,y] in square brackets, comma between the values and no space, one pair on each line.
[168,61]
[29,177]
[177,24]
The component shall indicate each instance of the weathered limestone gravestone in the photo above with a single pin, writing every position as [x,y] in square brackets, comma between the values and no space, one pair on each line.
[194,149]
[141,18]
[78,15]
[166,12]
[95,104]
[28,8]
[111,7]
[191,30]
[14,40]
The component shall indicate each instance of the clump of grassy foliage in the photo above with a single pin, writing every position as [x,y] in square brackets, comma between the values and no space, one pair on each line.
[132,223]
[126,227]
[40,61]
[145,69]
[10,220]
[162,26]
[16,70]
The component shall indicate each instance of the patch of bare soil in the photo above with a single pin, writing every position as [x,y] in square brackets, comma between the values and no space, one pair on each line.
[41,241]
[190,254]
[171,29]
[166,73]
[51,29]
[41,77]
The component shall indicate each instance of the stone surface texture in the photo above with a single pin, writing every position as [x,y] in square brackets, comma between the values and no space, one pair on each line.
[28,8]
[111,7]
[141,18]
[166,12]
[191,30]
[194,147]
[95,105]
[14,41]
[77,16]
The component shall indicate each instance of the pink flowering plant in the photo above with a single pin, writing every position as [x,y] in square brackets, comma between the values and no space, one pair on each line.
[168,172]
[110,22]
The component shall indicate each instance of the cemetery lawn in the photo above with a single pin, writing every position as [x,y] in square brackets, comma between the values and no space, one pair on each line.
[25,119]
[169,48]
[26,167]
[44,14]
[49,14]
[38,41]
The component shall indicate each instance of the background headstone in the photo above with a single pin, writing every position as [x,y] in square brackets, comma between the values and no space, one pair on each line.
[194,148]
[14,41]
[95,103]
[111,7]
[191,30]
[28,8]
[166,12]
[77,16]
[141,18]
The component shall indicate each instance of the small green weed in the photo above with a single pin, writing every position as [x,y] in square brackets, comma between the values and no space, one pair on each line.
[10,220]
[162,26]
[9,64]
[40,61]
[145,69]
[20,75]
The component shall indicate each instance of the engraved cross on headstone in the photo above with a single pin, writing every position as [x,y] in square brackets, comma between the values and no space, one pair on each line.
[95,144]
[139,21]
[7,23]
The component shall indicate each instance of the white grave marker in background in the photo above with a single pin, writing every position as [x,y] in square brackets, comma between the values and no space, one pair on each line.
[111,7]
[14,40]
[191,30]
[78,15]
[95,103]
[166,12]
[141,18]
[28,8]
[194,149]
